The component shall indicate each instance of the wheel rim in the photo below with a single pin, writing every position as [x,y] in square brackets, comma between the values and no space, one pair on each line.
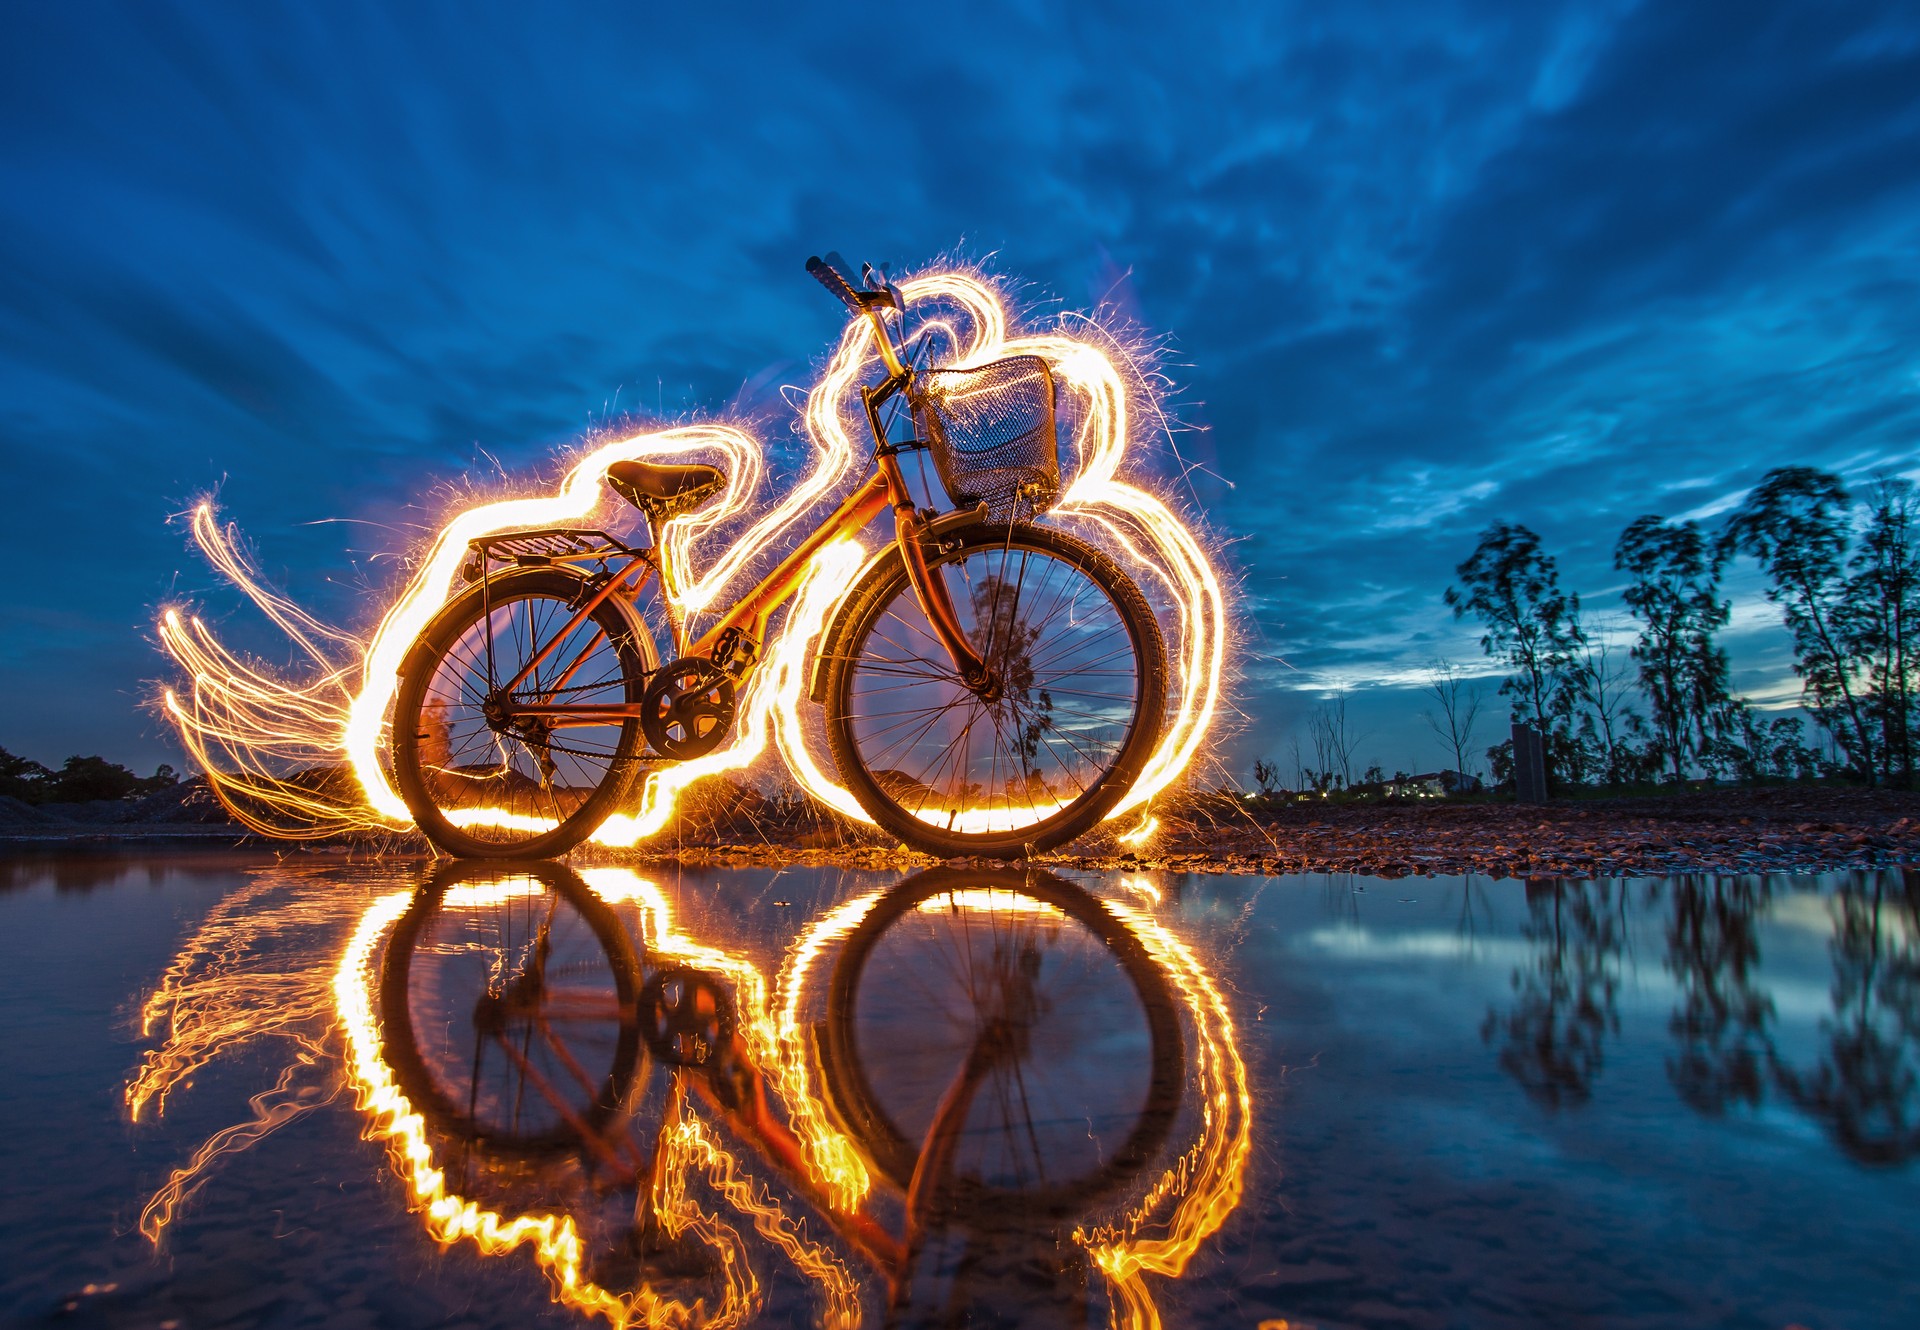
[1088,1080]
[1067,665]
[500,781]
[508,1009]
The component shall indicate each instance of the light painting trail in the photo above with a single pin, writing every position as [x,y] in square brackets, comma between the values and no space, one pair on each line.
[255,731]
[229,986]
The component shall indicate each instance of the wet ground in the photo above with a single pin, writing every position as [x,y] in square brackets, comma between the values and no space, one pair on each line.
[1233,1100]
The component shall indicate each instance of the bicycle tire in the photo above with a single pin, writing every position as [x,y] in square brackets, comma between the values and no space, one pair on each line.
[437,792]
[1115,628]
[401,1046]
[851,1085]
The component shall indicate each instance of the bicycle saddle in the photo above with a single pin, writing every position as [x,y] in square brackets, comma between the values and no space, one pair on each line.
[661,490]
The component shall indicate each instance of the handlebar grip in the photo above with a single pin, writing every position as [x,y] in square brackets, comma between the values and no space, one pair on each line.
[835,281]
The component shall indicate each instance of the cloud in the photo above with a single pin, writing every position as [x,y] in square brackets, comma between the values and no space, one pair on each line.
[1422,266]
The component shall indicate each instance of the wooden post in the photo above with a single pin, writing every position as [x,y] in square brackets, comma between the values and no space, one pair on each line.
[1529,765]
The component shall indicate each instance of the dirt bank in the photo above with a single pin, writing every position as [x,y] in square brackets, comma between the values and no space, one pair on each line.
[1797,830]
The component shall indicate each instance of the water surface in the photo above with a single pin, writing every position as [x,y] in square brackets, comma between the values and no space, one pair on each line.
[1471,1103]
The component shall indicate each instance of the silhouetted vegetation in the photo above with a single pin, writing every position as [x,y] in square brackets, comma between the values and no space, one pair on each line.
[79,780]
[1860,1080]
[1845,576]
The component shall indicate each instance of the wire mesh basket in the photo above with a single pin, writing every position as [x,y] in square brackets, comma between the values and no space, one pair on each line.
[990,430]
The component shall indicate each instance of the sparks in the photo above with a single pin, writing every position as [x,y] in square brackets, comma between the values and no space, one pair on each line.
[232,982]
[262,737]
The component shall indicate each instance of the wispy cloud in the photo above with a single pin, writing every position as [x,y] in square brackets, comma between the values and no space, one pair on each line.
[1429,265]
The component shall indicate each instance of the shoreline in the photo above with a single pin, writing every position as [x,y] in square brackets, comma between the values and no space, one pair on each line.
[1793,830]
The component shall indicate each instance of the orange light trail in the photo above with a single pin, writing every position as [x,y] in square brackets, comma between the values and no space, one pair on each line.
[1164,1229]
[1161,1232]
[233,981]
[554,1239]
[249,728]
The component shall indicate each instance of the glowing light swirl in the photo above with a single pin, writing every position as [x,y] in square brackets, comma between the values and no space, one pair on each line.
[1190,1200]
[246,726]
[231,983]
[687,1144]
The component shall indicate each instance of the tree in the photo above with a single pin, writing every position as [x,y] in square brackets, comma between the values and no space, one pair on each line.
[1865,1088]
[79,779]
[1608,724]
[1795,524]
[1459,703]
[1721,1017]
[1748,749]
[1010,641]
[1266,775]
[23,778]
[1565,1003]
[1513,588]
[1334,740]
[1882,619]
[1675,593]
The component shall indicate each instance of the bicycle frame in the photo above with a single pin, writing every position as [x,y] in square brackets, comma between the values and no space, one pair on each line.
[741,1102]
[735,641]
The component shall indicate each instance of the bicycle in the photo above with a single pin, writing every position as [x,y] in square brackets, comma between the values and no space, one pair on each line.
[991,685]
[521,1021]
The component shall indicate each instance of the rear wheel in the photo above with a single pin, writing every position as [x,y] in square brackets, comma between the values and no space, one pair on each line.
[508,1007]
[1076,710]
[484,783]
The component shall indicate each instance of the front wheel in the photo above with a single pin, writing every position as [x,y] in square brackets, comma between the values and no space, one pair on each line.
[1072,714]
[1083,1068]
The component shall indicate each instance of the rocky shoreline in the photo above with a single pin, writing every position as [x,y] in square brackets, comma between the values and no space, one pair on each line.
[1804,829]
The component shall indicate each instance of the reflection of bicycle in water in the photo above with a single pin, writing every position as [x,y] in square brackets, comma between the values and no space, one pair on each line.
[1006,1054]
[990,685]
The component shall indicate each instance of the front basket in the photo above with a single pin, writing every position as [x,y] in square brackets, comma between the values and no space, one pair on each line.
[991,433]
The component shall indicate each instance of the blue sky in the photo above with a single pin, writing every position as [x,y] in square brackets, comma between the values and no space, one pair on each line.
[1421,266]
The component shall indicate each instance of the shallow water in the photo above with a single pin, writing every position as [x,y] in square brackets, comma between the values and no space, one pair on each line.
[1471,1103]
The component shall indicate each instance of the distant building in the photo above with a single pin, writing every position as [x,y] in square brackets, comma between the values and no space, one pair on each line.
[1432,785]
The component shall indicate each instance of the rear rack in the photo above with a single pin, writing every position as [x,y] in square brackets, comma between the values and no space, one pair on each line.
[540,549]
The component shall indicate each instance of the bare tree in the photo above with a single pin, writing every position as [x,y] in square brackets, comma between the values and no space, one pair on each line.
[1604,685]
[1459,701]
[1334,739]
[1266,775]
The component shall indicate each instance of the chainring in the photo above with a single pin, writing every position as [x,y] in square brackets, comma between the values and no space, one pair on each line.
[686,1016]
[688,709]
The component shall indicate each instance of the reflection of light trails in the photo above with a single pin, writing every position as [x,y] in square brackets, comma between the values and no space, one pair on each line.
[246,726]
[234,982]
[209,1004]
[1160,1234]
[271,1109]
[449,1217]
[687,1144]
[989,900]
[1194,1196]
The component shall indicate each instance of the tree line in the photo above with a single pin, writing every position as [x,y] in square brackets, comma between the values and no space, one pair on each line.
[1846,579]
[78,780]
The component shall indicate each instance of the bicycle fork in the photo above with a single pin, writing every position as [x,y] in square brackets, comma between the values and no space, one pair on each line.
[911,533]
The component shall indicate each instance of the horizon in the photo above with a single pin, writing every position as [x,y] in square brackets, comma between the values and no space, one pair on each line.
[1418,271]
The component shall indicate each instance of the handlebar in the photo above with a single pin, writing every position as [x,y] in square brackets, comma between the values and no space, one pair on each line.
[829,276]
[829,273]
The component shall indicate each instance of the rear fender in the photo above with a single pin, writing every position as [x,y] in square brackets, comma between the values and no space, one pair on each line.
[637,631]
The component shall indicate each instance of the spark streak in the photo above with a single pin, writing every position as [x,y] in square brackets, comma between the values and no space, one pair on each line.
[232,981]
[250,729]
